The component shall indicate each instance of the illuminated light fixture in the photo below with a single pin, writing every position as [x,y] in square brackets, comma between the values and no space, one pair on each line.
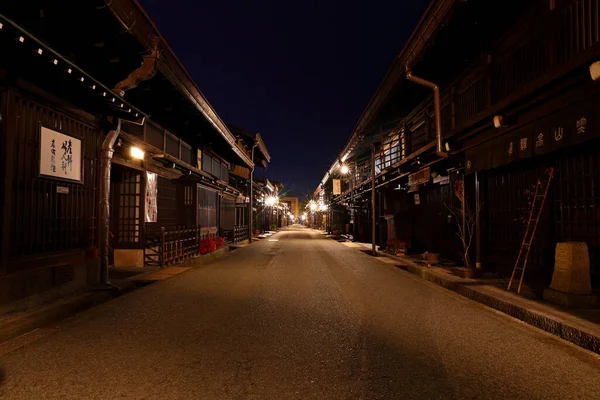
[503,121]
[271,201]
[129,110]
[323,207]
[447,146]
[39,51]
[81,79]
[113,99]
[21,39]
[1,25]
[121,105]
[136,153]
[344,169]
[55,61]
[313,206]
[595,71]
[136,114]
[69,71]
[103,94]
[93,87]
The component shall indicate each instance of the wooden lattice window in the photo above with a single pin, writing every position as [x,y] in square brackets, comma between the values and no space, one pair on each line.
[130,202]
[207,207]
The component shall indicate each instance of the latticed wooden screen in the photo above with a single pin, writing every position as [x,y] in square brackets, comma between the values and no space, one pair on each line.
[130,207]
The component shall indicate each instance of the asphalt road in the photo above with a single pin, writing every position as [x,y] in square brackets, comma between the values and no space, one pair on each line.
[303,317]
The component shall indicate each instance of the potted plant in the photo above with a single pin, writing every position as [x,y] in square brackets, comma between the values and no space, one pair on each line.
[467,219]
[431,258]
[397,246]
[219,242]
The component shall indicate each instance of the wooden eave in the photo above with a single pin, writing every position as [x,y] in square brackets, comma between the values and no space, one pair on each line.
[137,22]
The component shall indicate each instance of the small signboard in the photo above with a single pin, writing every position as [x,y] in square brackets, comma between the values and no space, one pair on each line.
[337,186]
[420,177]
[60,155]
[62,190]
[442,180]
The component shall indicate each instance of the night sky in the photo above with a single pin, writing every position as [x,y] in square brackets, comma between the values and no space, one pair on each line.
[299,73]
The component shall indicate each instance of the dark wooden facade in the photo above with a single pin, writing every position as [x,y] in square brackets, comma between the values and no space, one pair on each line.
[526,61]
[49,233]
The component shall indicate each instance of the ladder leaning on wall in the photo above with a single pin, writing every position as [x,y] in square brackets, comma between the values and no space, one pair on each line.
[537,206]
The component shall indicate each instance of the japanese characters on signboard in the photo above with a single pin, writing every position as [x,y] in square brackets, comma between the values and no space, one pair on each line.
[151,197]
[337,186]
[570,126]
[418,178]
[60,155]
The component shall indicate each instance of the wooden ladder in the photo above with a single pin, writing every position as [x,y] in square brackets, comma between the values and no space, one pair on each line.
[537,206]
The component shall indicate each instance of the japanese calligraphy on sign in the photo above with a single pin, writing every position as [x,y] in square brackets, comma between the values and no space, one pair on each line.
[581,125]
[60,155]
[337,186]
[523,144]
[151,197]
[540,140]
[558,134]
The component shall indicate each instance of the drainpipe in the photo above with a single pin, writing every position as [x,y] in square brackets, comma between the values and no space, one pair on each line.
[436,103]
[106,155]
[251,210]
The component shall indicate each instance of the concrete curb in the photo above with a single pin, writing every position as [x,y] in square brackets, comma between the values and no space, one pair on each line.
[42,316]
[579,336]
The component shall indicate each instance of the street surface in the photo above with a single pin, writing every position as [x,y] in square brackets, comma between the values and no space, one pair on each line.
[296,316]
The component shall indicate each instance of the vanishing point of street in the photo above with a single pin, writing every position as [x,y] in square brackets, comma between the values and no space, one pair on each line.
[296,316]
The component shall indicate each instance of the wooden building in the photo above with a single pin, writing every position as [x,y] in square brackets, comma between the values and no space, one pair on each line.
[66,84]
[517,95]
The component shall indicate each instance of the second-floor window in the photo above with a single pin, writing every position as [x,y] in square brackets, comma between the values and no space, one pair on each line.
[214,166]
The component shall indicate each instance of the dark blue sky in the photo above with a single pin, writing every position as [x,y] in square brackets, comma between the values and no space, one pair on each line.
[298,72]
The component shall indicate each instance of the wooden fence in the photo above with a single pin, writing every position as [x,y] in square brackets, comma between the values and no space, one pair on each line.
[176,244]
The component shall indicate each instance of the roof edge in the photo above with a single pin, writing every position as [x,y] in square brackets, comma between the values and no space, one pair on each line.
[171,66]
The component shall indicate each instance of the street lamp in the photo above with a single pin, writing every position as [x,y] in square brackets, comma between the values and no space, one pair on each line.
[271,201]
[344,169]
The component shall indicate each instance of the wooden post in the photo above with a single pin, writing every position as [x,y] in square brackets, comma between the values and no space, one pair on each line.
[8,131]
[373,200]
[477,223]
[162,249]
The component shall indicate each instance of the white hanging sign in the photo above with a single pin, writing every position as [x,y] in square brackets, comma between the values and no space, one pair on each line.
[60,155]
[151,197]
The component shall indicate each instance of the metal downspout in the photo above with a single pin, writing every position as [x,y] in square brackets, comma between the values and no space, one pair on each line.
[436,103]
[106,155]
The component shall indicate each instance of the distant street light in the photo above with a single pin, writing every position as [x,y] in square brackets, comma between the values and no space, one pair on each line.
[271,201]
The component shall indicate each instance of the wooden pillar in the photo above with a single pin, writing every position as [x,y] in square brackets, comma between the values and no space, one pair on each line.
[7,132]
